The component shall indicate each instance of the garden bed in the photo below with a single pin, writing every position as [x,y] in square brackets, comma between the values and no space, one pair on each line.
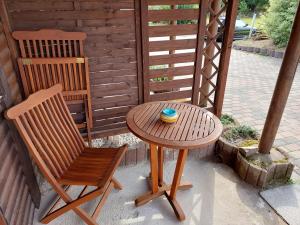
[262,47]
[238,148]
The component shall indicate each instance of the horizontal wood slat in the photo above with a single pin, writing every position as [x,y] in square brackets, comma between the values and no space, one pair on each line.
[172,2]
[172,58]
[170,30]
[173,14]
[172,45]
[165,85]
[68,15]
[174,95]
[171,72]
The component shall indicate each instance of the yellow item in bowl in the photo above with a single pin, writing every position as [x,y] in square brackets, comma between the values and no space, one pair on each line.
[168,119]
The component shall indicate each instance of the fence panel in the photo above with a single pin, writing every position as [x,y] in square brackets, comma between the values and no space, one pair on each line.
[110,47]
[18,191]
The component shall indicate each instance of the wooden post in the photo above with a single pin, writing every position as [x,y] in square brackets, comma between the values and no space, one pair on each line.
[282,88]
[199,51]
[138,34]
[145,49]
[210,51]
[231,14]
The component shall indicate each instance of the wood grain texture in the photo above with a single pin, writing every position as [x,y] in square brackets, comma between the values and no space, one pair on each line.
[16,174]
[194,128]
[55,144]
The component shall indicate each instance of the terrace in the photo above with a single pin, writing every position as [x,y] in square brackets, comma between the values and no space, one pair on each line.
[120,63]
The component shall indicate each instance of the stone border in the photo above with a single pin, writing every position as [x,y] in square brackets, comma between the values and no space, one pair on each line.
[260,177]
[261,51]
[251,174]
[226,152]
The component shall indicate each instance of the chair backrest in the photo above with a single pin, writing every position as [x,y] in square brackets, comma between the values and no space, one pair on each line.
[46,125]
[42,73]
[48,43]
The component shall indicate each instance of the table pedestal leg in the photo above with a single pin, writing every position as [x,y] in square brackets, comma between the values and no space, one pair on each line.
[175,184]
[158,186]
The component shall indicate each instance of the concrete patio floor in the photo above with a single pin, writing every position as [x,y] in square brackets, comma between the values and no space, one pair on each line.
[250,85]
[218,197]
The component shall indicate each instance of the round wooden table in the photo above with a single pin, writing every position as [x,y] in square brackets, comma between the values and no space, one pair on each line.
[195,128]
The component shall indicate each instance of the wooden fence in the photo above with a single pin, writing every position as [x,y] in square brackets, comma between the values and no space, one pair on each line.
[19,192]
[139,52]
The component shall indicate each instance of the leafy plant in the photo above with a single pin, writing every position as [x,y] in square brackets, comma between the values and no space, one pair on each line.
[227,120]
[241,132]
[279,19]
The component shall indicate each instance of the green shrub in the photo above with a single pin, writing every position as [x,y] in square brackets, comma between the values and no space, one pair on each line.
[241,132]
[279,19]
[243,7]
[227,120]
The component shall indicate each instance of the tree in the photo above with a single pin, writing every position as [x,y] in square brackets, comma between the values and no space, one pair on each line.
[250,6]
[243,7]
[254,5]
[279,19]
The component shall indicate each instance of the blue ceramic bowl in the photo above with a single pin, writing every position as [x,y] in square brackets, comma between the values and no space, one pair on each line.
[169,112]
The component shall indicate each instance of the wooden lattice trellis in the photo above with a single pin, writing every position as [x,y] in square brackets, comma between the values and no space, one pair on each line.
[213,35]
[181,49]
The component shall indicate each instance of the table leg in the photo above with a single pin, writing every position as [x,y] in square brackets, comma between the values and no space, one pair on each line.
[158,186]
[178,172]
[160,166]
[154,167]
[176,183]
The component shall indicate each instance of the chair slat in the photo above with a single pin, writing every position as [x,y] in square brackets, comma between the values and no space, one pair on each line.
[67,116]
[54,109]
[50,137]
[57,134]
[48,144]
[58,125]
[55,144]
[48,159]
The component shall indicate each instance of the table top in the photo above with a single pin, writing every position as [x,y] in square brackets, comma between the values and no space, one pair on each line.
[195,127]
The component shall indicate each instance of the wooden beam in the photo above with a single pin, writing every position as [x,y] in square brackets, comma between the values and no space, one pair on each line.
[231,14]
[139,56]
[145,48]
[7,31]
[199,51]
[282,88]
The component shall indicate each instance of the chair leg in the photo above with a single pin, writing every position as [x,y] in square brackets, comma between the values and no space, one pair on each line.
[73,205]
[117,184]
[102,201]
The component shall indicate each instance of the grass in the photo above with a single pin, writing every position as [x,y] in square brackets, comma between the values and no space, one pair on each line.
[248,143]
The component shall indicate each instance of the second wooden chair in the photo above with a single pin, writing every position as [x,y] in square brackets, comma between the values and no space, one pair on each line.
[55,144]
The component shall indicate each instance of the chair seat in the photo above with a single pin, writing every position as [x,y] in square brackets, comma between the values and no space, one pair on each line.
[94,167]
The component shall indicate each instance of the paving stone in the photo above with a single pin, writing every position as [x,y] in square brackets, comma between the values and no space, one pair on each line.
[249,90]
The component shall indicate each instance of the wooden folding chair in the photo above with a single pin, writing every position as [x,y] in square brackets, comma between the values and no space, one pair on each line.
[72,73]
[49,48]
[50,43]
[56,146]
